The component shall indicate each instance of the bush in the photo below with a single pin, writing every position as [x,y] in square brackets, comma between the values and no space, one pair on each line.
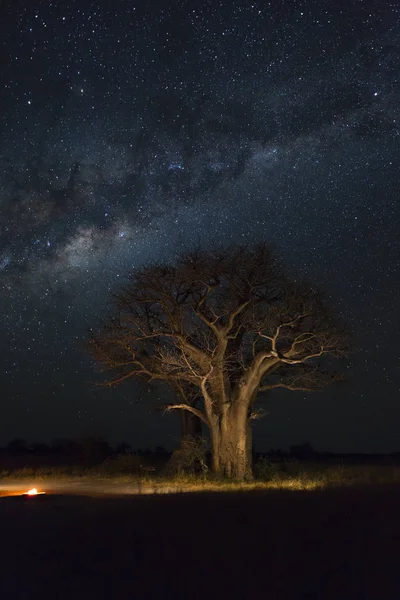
[191,458]
[266,470]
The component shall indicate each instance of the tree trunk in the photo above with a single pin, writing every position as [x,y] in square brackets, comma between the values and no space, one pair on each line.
[231,444]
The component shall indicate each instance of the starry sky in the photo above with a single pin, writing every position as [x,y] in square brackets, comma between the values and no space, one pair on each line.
[132,130]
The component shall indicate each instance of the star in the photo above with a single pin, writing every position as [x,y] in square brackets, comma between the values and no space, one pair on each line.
[216,125]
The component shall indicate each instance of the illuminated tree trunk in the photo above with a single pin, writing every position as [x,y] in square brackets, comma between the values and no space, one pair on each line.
[231,443]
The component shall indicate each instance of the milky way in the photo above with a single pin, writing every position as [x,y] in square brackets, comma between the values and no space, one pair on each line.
[131,134]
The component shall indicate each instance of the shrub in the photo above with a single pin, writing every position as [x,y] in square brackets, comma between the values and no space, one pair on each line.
[265,470]
[191,458]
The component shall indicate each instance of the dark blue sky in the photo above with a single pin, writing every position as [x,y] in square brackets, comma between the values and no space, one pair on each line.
[130,133]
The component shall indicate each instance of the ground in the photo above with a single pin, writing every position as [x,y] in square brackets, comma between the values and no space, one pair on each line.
[273,544]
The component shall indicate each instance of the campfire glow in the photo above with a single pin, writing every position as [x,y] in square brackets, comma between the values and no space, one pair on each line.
[32,492]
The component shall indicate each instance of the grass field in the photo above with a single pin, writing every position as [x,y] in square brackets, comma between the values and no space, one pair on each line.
[299,531]
[295,475]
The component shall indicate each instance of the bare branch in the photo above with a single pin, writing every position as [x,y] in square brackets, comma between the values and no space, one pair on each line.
[233,315]
[196,411]
[258,414]
[287,386]
[221,326]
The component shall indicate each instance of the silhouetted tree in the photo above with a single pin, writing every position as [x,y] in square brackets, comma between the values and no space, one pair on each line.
[228,325]
[122,448]
[17,446]
[66,448]
[303,450]
[40,448]
[93,449]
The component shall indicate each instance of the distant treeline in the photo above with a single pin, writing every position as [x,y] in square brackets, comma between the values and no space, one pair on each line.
[93,450]
[89,447]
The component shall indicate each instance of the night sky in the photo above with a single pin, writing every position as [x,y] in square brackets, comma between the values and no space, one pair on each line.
[131,131]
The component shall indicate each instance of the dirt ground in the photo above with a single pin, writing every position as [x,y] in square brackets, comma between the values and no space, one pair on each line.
[341,544]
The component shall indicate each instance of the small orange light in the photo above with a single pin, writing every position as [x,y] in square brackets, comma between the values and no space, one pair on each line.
[33,492]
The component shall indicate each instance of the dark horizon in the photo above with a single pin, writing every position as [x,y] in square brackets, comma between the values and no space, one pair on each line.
[130,134]
[73,448]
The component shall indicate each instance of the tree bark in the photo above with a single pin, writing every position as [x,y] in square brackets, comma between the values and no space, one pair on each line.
[232,444]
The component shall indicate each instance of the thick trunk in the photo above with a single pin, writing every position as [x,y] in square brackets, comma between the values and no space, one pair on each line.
[231,444]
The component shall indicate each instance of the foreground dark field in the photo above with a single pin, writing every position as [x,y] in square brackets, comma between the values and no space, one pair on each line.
[326,544]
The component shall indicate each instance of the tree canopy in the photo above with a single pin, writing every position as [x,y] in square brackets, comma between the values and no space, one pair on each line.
[221,326]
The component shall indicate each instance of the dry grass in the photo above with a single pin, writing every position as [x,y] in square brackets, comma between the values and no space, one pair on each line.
[280,476]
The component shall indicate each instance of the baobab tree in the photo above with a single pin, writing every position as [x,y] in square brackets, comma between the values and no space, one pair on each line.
[223,326]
